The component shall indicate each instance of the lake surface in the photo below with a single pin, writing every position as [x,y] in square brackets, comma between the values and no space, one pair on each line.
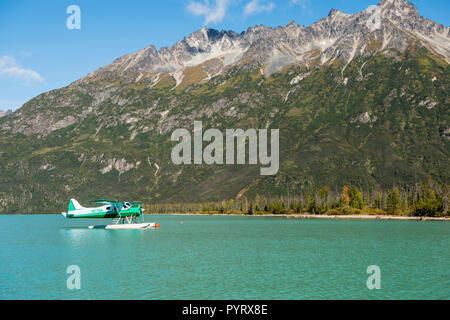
[213,257]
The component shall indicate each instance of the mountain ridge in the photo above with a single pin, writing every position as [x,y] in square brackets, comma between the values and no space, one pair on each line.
[220,43]
[353,105]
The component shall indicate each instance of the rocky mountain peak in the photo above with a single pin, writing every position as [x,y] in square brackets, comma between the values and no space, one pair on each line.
[395,3]
[292,24]
[334,12]
[338,37]
[399,8]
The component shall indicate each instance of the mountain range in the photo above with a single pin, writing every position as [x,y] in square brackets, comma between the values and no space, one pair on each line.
[359,99]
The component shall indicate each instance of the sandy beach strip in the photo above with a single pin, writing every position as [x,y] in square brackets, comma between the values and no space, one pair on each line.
[318,216]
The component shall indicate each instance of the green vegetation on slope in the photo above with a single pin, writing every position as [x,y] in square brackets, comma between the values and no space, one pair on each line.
[378,124]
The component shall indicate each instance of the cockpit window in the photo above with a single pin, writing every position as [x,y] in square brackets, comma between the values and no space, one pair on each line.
[108,208]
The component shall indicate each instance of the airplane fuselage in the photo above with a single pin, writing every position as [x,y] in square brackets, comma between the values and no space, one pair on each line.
[106,211]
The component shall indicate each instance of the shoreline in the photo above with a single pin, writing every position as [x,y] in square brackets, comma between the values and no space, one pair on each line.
[287,216]
[314,216]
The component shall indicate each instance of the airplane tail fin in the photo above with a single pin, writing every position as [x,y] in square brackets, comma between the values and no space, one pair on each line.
[74,205]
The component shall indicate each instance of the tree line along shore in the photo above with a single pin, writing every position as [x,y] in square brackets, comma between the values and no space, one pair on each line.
[426,199]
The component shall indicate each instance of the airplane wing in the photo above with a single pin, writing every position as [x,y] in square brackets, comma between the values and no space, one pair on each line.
[112,202]
[106,201]
[116,205]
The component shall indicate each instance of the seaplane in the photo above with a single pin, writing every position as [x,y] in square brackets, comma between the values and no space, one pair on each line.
[124,214]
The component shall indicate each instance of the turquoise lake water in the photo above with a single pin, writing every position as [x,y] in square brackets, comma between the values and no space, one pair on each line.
[213,257]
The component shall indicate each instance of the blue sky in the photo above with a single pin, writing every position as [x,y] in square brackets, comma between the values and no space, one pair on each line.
[39,53]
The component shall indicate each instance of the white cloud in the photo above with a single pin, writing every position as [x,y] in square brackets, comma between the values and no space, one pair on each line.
[213,13]
[301,3]
[254,7]
[9,67]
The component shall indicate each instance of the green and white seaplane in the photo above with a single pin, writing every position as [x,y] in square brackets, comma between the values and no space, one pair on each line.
[124,214]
